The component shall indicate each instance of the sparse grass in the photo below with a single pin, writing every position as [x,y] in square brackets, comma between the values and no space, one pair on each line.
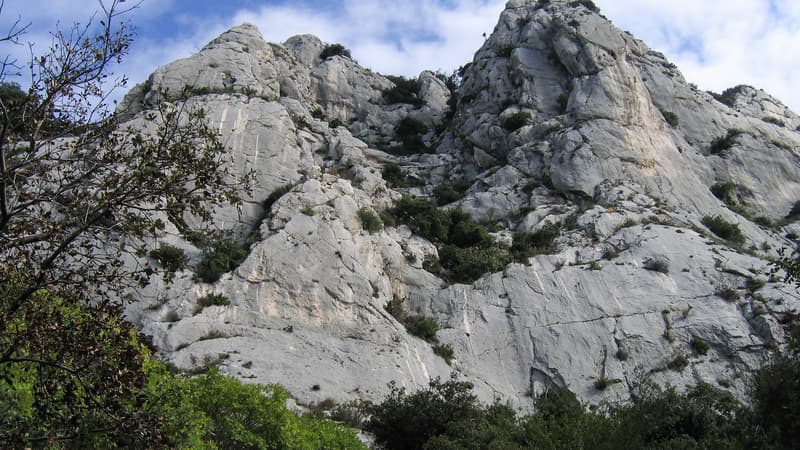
[307,211]
[754,284]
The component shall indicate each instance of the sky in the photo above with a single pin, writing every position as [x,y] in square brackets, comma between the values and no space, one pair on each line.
[715,43]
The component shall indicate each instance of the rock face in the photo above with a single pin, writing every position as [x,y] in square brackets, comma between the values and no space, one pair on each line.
[560,118]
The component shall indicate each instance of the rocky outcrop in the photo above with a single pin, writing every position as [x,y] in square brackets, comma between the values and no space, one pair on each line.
[560,118]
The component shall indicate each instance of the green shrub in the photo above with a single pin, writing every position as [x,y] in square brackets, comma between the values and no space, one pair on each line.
[541,242]
[171,258]
[335,123]
[445,351]
[369,220]
[724,229]
[223,256]
[723,143]
[563,102]
[395,308]
[409,132]
[699,346]
[728,96]
[589,4]
[516,121]
[331,50]
[465,265]
[728,293]
[275,195]
[422,327]
[775,391]
[671,118]
[794,213]
[725,191]
[753,284]
[217,411]
[774,121]
[449,193]
[658,264]
[211,300]
[678,362]
[308,211]
[405,90]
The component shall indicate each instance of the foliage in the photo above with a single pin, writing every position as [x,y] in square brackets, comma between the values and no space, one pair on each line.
[466,250]
[422,327]
[71,373]
[409,131]
[724,229]
[728,96]
[658,264]
[725,191]
[211,300]
[723,143]
[222,256]
[794,213]
[445,351]
[699,346]
[395,308]
[449,193]
[171,258]
[369,220]
[396,177]
[541,242]
[775,391]
[516,121]
[563,102]
[411,421]
[216,411]
[405,90]
[331,50]
[671,118]
[589,4]
[75,180]
[774,121]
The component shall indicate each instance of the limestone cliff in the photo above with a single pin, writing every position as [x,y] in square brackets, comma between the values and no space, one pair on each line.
[560,118]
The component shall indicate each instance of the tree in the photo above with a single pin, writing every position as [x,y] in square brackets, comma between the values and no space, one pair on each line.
[79,190]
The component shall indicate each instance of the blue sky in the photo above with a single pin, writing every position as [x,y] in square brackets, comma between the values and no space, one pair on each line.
[715,43]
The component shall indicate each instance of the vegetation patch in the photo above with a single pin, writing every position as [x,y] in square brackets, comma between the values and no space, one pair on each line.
[171,258]
[331,50]
[369,220]
[670,117]
[220,257]
[211,300]
[445,351]
[723,143]
[516,121]
[405,90]
[724,229]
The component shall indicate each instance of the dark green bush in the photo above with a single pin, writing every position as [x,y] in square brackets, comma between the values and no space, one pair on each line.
[724,229]
[699,346]
[541,242]
[449,193]
[774,121]
[728,96]
[563,102]
[395,308]
[211,300]
[465,265]
[671,118]
[445,351]
[405,90]
[658,264]
[223,256]
[516,121]
[409,132]
[369,220]
[725,191]
[331,50]
[171,258]
[422,327]
[794,213]
[589,4]
[775,391]
[723,143]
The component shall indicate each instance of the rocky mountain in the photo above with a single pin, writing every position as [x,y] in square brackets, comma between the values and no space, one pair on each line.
[563,132]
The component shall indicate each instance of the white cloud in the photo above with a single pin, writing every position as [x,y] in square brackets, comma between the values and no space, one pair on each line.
[719,44]
[716,43]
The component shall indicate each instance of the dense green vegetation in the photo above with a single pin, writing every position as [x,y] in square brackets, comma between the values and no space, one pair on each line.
[447,415]
[466,249]
[331,50]
[724,229]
